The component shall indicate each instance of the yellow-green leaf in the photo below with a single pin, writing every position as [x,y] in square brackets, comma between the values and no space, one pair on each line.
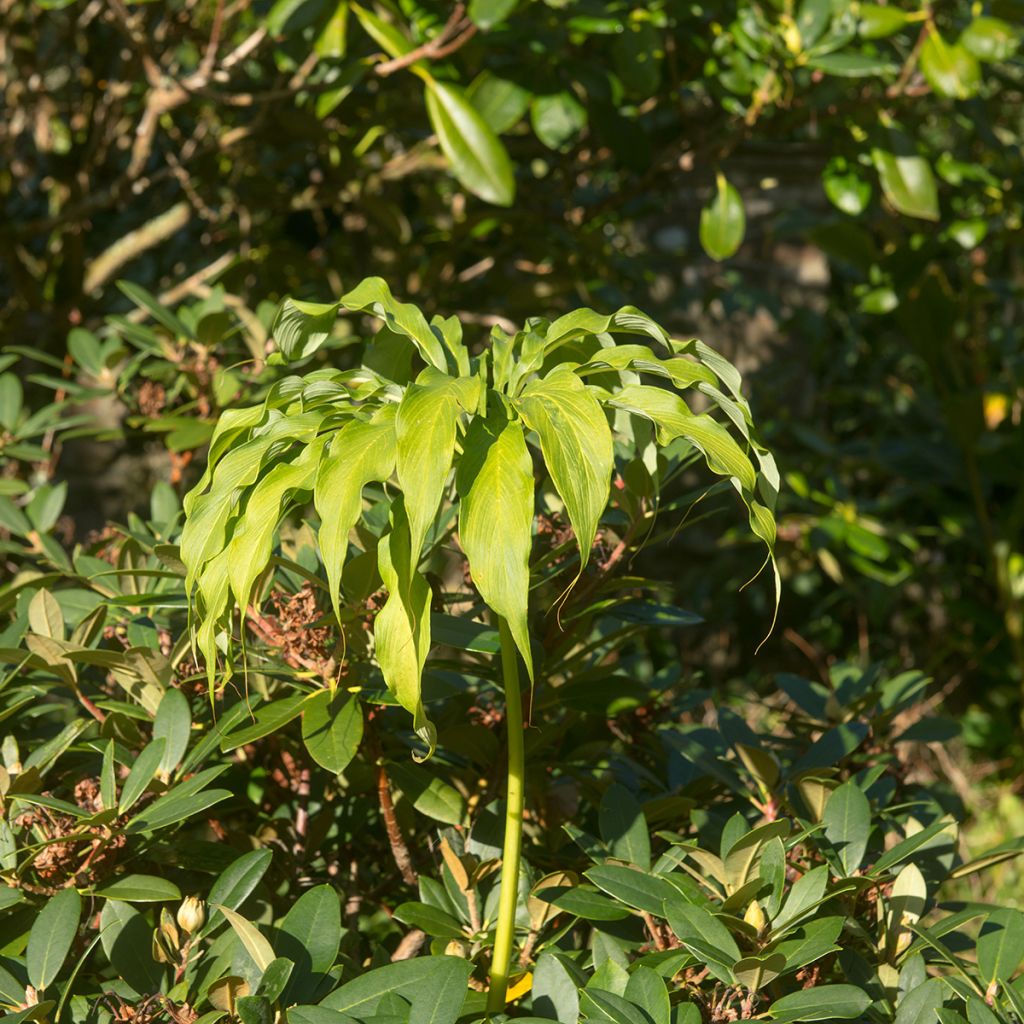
[496,520]
[723,221]
[360,453]
[477,157]
[401,630]
[577,445]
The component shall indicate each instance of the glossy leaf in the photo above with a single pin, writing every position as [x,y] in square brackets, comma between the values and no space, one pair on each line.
[723,222]
[949,68]
[476,155]
[908,183]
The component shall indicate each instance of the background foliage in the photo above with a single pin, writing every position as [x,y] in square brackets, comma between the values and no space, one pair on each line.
[829,192]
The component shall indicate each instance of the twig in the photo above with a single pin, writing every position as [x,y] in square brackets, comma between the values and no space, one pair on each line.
[96,713]
[302,813]
[125,249]
[456,33]
[399,850]
[410,945]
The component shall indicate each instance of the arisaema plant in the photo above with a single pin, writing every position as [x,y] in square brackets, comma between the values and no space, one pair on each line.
[462,439]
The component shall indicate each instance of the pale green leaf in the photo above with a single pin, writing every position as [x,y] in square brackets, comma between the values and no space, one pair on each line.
[360,453]
[402,628]
[256,945]
[576,442]
[425,430]
[372,295]
[495,483]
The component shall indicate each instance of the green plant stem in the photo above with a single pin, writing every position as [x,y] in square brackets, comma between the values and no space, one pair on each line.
[505,934]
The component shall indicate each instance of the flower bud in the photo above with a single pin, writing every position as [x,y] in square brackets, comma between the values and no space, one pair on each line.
[191,914]
[754,915]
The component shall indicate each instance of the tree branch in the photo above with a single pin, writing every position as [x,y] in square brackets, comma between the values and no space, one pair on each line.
[458,31]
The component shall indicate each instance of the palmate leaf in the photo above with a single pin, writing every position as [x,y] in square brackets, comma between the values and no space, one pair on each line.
[330,433]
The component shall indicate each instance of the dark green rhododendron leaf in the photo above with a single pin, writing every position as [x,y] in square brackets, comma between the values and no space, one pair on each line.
[847,821]
[332,728]
[723,221]
[52,934]
[140,889]
[826,1002]
[310,936]
[434,985]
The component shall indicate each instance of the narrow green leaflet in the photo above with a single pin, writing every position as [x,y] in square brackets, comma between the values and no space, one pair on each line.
[723,221]
[576,442]
[173,724]
[267,718]
[141,775]
[495,483]
[425,430]
[476,155]
[237,881]
[402,628]
[253,535]
[360,453]
[52,934]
